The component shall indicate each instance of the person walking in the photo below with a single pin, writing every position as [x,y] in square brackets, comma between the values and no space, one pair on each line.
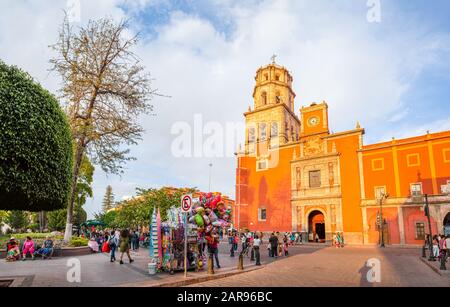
[250,246]
[273,240]
[136,241]
[435,247]
[213,248]
[244,250]
[124,245]
[113,243]
[231,243]
[256,245]
[286,246]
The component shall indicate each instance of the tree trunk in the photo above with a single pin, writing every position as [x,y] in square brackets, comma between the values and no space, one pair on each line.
[76,170]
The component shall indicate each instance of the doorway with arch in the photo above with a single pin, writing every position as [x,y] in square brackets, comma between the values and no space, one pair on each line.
[316,227]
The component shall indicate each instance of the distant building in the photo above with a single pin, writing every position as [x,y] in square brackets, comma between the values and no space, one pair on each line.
[293,174]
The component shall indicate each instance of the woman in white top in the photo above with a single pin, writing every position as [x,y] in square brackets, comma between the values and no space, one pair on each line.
[256,245]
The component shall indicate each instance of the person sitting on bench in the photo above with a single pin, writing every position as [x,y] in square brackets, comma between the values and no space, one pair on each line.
[47,249]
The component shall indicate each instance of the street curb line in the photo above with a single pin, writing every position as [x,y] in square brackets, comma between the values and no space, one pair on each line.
[434,268]
[194,280]
[197,280]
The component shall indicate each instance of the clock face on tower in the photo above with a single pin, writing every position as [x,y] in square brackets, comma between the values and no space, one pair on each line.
[313,121]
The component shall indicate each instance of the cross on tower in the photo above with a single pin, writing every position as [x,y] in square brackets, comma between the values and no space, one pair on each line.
[273,58]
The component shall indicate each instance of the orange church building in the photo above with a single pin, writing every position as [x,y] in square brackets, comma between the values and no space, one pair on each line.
[294,175]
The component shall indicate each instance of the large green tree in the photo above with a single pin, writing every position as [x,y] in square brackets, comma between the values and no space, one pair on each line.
[137,211]
[35,145]
[106,89]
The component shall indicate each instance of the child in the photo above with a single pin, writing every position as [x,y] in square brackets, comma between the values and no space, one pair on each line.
[13,253]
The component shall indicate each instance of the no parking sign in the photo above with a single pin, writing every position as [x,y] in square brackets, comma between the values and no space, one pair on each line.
[186,203]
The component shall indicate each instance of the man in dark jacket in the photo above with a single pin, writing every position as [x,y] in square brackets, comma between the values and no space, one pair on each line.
[273,240]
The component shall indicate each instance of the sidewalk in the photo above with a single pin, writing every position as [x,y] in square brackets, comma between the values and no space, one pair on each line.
[164,279]
[436,265]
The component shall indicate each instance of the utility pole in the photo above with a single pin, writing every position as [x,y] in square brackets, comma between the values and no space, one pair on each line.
[381,198]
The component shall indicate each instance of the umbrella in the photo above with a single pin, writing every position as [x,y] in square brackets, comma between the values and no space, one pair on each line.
[93,223]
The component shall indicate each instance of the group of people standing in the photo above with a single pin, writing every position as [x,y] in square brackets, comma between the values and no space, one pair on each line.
[440,247]
[112,241]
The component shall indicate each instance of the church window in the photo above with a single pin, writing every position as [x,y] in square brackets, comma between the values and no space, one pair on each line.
[416,189]
[314,179]
[277,97]
[263,132]
[380,192]
[262,165]
[277,77]
[251,135]
[420,231]
[264,98]
[274,130]
[262,214]
[266,77]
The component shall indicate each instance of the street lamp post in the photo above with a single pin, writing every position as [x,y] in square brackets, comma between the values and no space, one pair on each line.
[430,237]
[382,196]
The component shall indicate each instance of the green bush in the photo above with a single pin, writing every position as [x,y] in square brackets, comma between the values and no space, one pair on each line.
[77,242]
[36,236]
[35,145]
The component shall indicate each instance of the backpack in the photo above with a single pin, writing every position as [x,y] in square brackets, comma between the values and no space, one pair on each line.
[111,242]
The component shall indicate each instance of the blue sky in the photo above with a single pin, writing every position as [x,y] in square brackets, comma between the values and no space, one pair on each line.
[392,76]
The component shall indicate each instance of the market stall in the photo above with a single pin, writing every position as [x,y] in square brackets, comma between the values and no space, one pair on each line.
[167,238]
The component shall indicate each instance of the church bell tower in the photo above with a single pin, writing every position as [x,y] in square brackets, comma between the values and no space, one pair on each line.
[272,119]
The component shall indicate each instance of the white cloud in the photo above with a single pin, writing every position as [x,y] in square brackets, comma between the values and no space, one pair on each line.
[333,53]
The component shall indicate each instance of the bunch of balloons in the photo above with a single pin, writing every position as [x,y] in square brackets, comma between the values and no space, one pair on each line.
[209,213]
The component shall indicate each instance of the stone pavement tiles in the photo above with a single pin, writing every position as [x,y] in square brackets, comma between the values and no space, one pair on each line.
[340,267]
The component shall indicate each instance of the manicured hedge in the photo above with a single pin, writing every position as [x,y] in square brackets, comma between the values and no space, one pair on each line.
[35,145]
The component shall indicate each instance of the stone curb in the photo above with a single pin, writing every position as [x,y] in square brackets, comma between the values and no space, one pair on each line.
[195,280]
[435,268]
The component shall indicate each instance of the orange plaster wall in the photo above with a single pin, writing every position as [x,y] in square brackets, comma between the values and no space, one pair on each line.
[270,189]
[391,217]
[414,174]
[411,216]
[374,178]
[442,167]
[350,182]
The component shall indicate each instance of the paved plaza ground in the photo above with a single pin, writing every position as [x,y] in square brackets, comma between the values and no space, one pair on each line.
[312,265]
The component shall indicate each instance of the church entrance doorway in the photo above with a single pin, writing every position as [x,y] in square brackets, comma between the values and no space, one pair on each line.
[316,227]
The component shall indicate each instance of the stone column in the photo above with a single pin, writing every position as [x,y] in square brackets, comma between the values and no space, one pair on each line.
[328,222]
[294,217]
[304,221]
[401,226]
[365,226]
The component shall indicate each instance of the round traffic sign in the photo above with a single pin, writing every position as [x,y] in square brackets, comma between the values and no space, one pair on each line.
[186,203]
